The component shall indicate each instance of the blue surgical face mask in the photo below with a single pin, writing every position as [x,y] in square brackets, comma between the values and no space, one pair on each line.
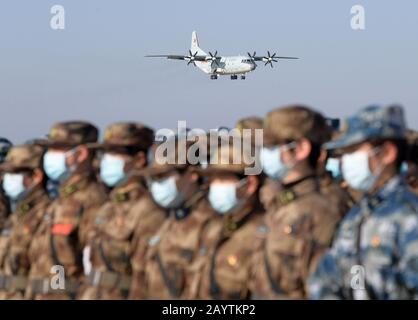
[404,169]
[13,185]
[223,197]
[356,171]
[55,165]
[334,166]
[166,193]
[272,163]
[112,169]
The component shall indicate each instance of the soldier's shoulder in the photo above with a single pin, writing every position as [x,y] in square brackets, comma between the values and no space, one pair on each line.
[97,189]
[314,202]
[254,225]
[145,205]
[92,196]
[257,218]
[44,200]
[202,211]
[401,203]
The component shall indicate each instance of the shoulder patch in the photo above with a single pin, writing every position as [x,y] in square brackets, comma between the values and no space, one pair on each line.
[62,229]
[286,197]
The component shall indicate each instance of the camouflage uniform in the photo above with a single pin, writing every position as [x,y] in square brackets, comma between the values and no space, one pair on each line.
[302,221]
[123,225]
[21,224]
[375,252]
[165,274]
[222,268]
[337,195]
[268,193]
[173,249]
[57,240]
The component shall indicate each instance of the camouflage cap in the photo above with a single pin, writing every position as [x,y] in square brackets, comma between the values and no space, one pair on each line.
[228,157]
[165,159]
[5,146]
[126,134]
[252,124]
[71,134]
[294,123]
[249,123]
[371,123]
[23,157]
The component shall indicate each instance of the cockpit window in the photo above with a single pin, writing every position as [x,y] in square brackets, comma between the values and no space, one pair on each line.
[246,60]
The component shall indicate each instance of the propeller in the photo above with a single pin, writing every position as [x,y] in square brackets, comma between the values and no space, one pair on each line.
[214,58]
[252,57]
[270,59]
[191,58]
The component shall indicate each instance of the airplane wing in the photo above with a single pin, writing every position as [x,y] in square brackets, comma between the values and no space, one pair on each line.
[276,57]
[262,58]
[177,57]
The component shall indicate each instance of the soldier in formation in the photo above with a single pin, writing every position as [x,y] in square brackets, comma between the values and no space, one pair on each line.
[378,239]
[131,217]
[24,185]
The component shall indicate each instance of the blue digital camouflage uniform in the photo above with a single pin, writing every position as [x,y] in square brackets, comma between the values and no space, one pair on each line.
[381,235]
[375,251]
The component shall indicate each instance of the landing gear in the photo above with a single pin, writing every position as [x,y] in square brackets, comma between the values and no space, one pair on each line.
[213,76]
[234,77]
[243,77]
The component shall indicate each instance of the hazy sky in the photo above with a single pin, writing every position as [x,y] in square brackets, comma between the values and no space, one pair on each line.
[95,69]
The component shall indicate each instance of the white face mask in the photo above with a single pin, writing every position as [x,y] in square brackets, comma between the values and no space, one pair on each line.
[356,171]
[223,197]
[13,185]
[55,165]
[333,165]
[165,192]
[272,163]
[112,169]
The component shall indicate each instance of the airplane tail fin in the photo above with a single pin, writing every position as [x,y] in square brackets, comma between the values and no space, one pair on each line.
[195,45]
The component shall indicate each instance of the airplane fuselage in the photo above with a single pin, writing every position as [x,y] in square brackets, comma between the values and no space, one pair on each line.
[230,66]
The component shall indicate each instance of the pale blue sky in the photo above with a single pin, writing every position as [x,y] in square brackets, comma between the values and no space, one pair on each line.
[95,70]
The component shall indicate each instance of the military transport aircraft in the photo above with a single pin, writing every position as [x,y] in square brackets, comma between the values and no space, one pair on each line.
[215,65]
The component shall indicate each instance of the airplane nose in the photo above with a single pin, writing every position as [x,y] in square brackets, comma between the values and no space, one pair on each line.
[253,66]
